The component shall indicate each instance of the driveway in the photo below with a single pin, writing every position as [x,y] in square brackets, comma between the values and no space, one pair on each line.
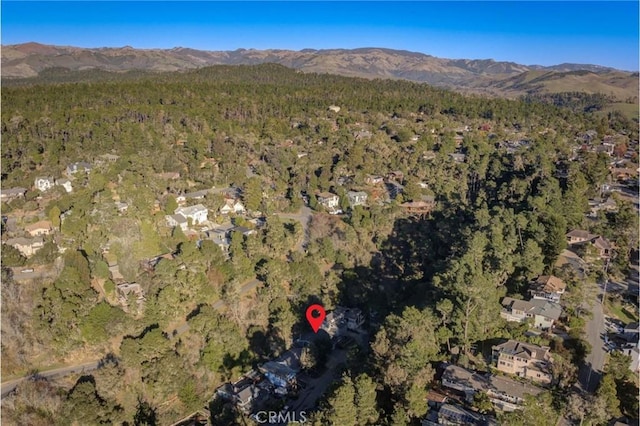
[304,217]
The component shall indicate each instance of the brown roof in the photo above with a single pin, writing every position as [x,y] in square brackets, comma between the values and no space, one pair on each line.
[549,284]
[43,224]
[579,233]
[602,243]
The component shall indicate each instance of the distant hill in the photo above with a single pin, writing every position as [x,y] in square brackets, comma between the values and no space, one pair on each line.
[483,76]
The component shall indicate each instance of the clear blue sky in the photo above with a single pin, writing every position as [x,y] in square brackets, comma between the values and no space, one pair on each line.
[545,33]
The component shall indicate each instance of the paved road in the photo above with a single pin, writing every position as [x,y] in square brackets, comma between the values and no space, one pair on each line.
[591,371]
[18,275]
[9,386]
[304,217]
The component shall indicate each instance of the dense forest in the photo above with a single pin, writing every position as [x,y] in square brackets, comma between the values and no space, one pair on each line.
[430,285]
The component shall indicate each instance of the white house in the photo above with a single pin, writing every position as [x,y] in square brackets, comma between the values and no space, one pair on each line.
[44,183]
[197,214]
[65,183]
[232,206]
[80,166]
[329,201]
[543,312]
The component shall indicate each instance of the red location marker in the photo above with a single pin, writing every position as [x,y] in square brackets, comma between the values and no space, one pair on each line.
[315,316]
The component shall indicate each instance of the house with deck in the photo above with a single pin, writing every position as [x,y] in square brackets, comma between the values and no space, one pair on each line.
[523,360]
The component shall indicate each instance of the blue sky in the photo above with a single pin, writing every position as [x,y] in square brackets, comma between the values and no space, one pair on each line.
[545,33]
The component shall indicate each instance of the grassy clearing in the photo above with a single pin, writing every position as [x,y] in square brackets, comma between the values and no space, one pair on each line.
[617,310]
[629,110]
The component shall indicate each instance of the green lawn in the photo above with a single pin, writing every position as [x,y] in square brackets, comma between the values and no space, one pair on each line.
[615,309]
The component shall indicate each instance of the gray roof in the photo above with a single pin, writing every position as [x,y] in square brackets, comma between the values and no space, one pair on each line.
[178,218]
[522,350]
[534,307]
[485,382]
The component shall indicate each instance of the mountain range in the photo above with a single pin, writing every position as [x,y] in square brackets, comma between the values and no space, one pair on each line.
[477,75]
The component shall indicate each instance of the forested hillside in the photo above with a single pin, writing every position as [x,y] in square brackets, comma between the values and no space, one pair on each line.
[508,179]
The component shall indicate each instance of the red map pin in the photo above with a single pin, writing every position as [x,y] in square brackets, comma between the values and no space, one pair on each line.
[315,316]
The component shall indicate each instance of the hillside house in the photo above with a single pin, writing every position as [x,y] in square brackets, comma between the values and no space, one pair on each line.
[603,247]
[232,206]
[178,220]
[26,246]
[65,183]
[420,207]
[329,201]
[454,414]
[505,394]
[357,198]
[547,287]
[543,312]
[81,166]
[523,360]
[125,291]
[12,193]
[43,227]
[579,236]
[374,180]
[44,183]
[197,214]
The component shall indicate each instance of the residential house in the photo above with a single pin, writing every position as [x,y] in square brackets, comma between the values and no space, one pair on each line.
[127,289]
[109,158]
[43,227]
[329,201]
[523,360]
[579,236]
[220,239]
[196,195]
[374,180]
[232,206]
[179,220]
[81,166]
[454,414]
[279,375]
[342,319]
[543,312]
[396,175]
[458,158]
[26,246]
[357,198]
[44,184]
[597,205]
[506,394]
[603,247]
[121,206]
[244,230]
[12,193]
[243,393]
[417,207]
[197,214]
[65,183]
[547,287]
